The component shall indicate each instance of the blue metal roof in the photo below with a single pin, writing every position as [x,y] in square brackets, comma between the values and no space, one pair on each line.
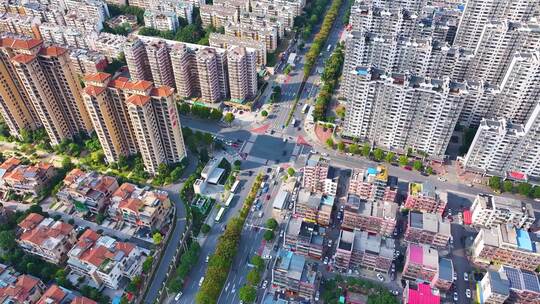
[524,240]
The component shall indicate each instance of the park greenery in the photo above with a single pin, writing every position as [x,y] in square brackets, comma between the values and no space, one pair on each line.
[229,118]
[320,39]
[330,75]
[116,10]
[226,249]
[497,184]
[333,289]
[200,111]
[189,33]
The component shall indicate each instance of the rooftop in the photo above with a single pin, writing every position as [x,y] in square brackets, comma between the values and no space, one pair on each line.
[521,279]
[423,255]
[499,282]
[423,294]
[446,269]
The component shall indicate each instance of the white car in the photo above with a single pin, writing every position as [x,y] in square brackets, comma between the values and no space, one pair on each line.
[468,293]
[325,262]
[329,243]
[265,283]
[267,257]
[395,292]
[201,281]
[465,276]
[455,276]
[178,296]
[455,296]
[380,277]
[207,258]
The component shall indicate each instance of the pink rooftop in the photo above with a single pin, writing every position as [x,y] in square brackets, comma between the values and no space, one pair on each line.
[416,254]
[423,295]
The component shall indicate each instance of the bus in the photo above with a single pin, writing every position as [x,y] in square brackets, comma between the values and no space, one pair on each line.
[219,214]
[305,108]
[229,200]
[234,186]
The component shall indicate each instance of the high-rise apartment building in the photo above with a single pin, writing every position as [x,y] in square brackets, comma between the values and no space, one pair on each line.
[489,211]
[477,13]
[506,149]
[223,41]
[135,116]
[49,82]
[207,69]
[399,111]
[241,62]
[137,60]
[160,63]
[15,105]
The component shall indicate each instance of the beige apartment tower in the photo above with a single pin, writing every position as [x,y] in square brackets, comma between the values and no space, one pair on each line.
[207,68]
[241,63]
[15,105]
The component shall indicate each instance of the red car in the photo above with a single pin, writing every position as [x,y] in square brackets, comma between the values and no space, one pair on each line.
[268,197]
[408,168]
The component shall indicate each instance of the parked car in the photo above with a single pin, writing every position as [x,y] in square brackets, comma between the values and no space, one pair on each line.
[201,281]
[455,296]
[468,293]
[380,277]
[330,243]
[178,295]
[465,276]
[265,283]
[455,276]
[207,258]
[408,168]
[325,262]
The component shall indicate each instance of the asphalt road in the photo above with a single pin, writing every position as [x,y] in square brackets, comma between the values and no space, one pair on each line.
[208,247]
[161,273]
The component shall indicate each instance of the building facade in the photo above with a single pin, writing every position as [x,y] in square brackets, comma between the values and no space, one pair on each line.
[490,211]
[428,229]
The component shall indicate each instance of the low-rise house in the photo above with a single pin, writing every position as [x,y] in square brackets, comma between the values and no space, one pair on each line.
[140,207]
[294,275]
[304,238]
[24,179]
[105,260]
[494,287]
[489,211]
[427,228]
[373,184]
[313,207]
[55,295]
[423,197]
[506,245]
[445,275]
[46,238]
[319,176]
[524,285]
[420,293]
[421,263]
[82,300]
[373,216]
[26,289]
[87,191]
[363,249]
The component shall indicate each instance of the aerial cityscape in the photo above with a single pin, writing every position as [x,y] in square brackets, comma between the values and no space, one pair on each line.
[269,151]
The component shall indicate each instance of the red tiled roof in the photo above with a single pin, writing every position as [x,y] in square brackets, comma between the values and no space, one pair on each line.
[20,291]
[17,43]
[83,300]
[93,90]
[53,295]
[10,163]
[31,221]
[162,91]
[124,191]
[132,204]
[73,175]
[38,235]
[52,51]
[23,58]
[97,77]
[123,83]
[138,100]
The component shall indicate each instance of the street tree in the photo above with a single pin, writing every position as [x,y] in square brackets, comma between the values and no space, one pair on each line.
[378,154]
[403,160]
[354,149]
[494,183]
[258,262]
[330,143]
[366,150]
[268,235]
[264,113]
[229,118]
[248,294]
[341,146]
[417,165]
[271,223]
[157,238]
[389,157]
[508,186]
[290,171]
[253,277]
